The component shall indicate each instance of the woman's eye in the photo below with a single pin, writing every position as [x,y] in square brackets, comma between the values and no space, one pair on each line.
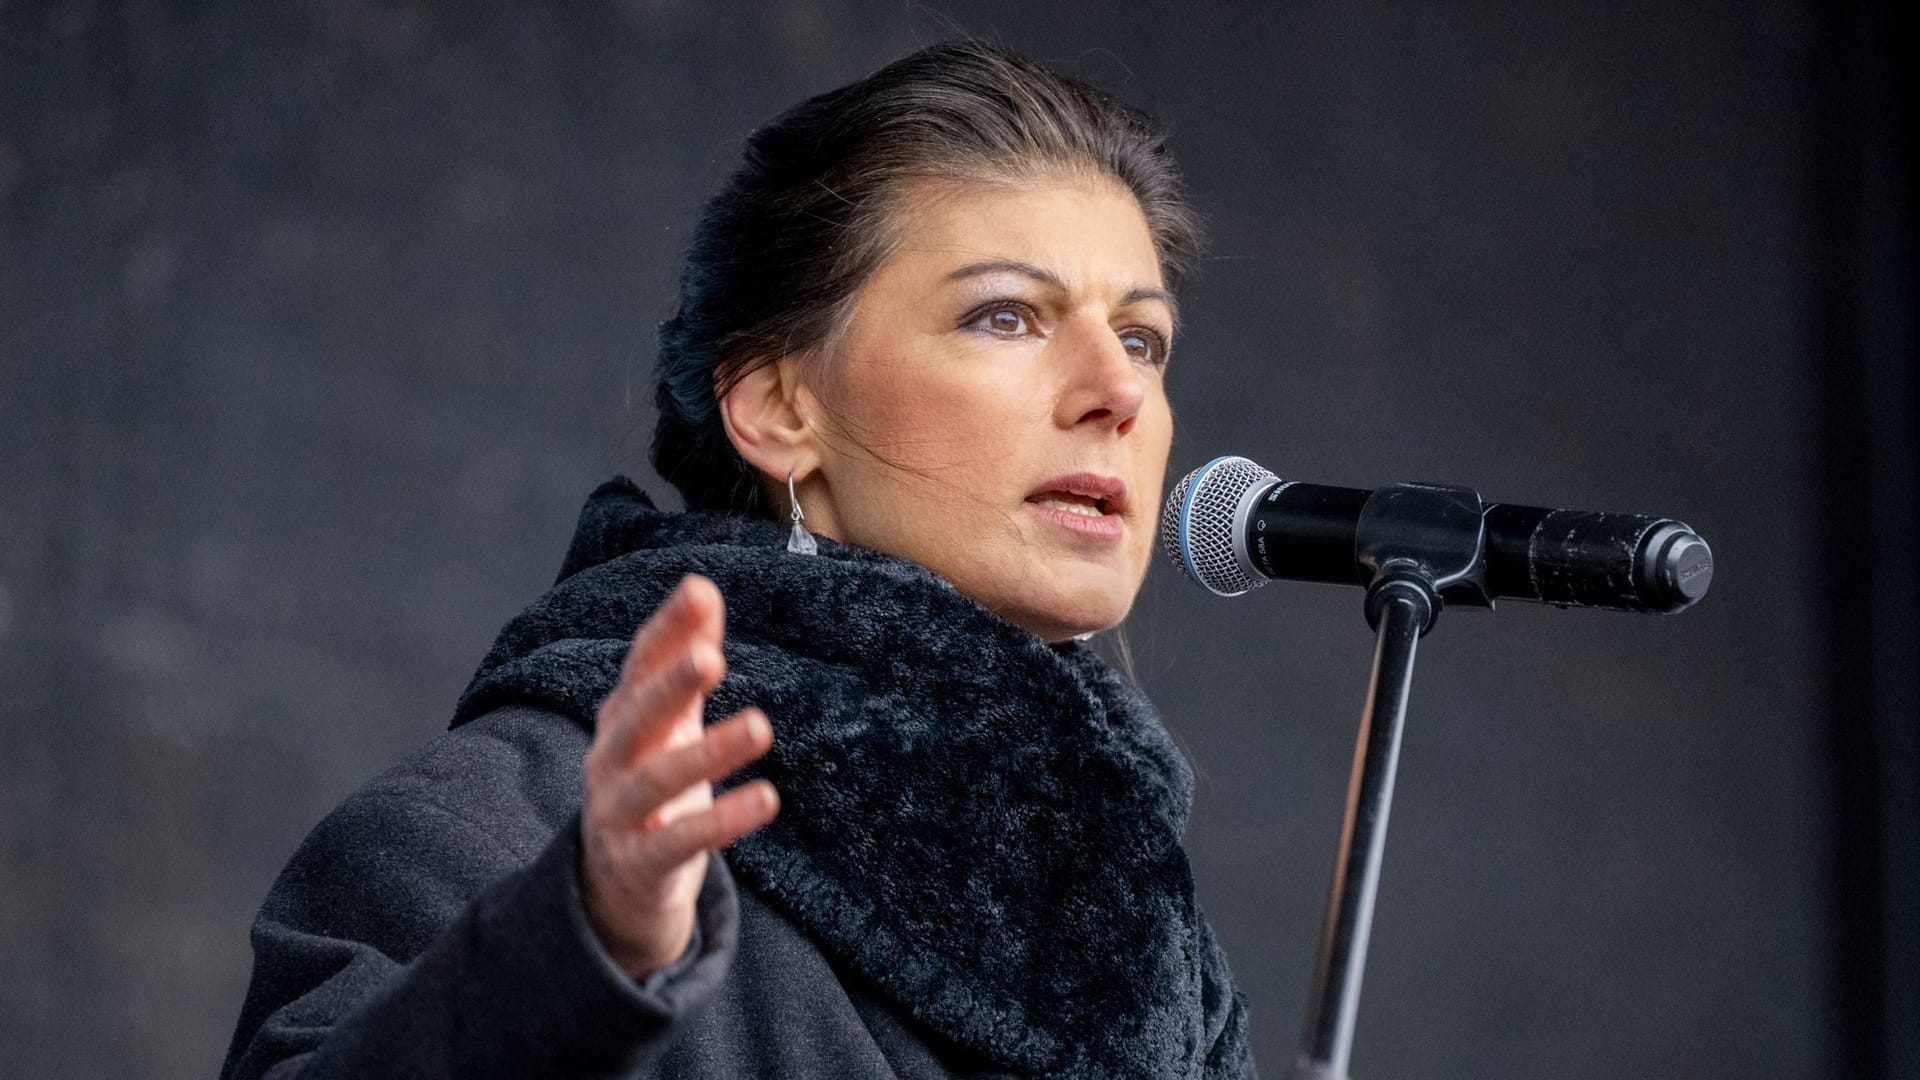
[1008,320]
[1146,346]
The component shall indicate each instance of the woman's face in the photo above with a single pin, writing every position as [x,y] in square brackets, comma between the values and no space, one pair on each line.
[995,408]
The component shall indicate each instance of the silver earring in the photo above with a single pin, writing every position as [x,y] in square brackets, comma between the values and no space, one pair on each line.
[800,541]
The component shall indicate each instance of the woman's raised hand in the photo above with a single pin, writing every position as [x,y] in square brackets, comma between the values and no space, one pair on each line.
[650,817]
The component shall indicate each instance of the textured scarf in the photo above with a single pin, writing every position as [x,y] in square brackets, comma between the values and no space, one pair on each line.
[983,826]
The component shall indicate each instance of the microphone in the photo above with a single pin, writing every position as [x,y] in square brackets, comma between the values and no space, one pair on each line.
[1232,526]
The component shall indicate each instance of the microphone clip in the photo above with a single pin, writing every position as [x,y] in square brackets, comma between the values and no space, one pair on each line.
[1430,537]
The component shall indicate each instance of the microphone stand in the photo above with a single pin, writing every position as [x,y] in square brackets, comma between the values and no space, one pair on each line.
[1422,545]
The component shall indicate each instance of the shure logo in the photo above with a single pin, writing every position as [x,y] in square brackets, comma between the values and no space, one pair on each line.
[1703,564]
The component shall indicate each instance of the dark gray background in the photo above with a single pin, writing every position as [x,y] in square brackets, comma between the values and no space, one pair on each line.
[319,322]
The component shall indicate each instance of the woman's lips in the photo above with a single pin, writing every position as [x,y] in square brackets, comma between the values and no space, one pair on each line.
[1097,526]
[1086,506]
[1108,494]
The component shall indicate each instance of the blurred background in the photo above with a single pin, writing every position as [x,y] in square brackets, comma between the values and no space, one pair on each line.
[318,321]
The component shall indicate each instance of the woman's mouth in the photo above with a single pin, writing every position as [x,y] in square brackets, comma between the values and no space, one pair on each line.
[1072,504]
[1086,504]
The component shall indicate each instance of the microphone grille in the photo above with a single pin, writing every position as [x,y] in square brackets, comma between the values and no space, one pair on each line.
[1198,522]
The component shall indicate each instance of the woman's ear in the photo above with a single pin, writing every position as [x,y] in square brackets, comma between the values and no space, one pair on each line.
[767,422]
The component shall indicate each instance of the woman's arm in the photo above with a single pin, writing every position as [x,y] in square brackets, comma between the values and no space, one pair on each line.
[403,939]
[408,937]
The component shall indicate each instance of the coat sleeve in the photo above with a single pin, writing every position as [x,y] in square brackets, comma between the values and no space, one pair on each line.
[404,940]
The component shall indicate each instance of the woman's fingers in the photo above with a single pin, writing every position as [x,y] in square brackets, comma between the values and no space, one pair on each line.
[693,609]
[640,717]
[675,658]
[659,779]
[731,816]
[649,815]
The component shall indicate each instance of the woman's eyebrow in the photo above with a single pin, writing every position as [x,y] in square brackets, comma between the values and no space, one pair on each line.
[1154,292]
[1009,266]
[1048,277]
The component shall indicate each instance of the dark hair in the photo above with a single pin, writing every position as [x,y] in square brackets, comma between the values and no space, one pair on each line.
[805,219]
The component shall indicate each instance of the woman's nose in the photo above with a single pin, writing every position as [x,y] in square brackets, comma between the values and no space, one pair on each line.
[1105,385]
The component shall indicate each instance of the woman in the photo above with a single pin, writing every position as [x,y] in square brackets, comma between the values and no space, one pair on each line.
[913,398]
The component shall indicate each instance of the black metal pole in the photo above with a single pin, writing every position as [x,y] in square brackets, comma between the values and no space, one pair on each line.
[1402,610]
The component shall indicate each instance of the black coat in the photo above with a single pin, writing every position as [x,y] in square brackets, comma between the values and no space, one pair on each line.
[976,870]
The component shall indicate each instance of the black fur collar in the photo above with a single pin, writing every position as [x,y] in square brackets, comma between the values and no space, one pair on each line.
[985,827]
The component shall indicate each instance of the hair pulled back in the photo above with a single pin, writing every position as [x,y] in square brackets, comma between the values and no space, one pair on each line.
[803,221]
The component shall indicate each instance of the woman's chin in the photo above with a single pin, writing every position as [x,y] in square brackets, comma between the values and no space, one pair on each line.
[1058,596]
[1059,614]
